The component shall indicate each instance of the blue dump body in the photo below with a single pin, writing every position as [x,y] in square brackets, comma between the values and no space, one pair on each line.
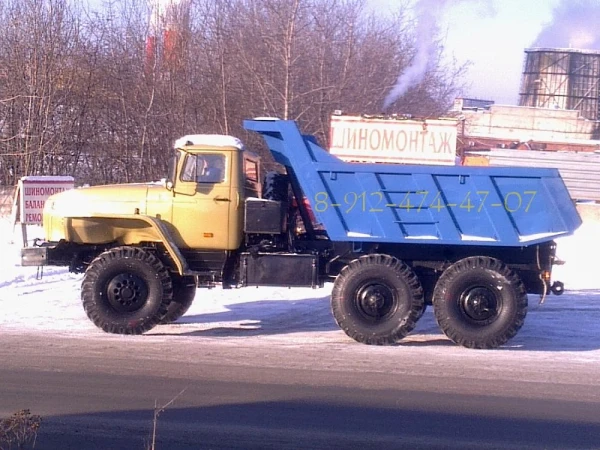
[389,203]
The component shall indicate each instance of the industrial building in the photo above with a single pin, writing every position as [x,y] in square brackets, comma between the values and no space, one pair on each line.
[558,117]
[562,79]
[559,106]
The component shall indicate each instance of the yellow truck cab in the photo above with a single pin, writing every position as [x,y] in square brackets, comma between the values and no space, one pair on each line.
[184,228]
[209,187]
[201,208]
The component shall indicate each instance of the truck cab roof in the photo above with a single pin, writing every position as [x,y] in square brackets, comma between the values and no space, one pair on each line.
[209,141]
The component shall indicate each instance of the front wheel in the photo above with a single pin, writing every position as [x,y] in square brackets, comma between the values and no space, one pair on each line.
[479,302]
[126,290]
[184,291]
[377,299]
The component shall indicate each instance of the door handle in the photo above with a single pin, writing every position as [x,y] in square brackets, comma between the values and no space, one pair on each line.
[221,199]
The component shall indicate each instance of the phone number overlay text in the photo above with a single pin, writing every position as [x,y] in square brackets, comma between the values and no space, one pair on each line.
[476,201]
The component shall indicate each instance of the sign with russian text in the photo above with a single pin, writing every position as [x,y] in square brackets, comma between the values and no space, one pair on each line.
[33,192]
[400,141]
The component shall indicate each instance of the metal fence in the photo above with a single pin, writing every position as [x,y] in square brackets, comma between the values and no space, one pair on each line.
[580,171]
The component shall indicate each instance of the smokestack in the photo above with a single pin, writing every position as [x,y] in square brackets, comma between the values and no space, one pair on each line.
[150,59]
[168,22]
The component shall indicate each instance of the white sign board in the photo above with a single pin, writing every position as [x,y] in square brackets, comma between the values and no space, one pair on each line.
[427,141]
[33,192]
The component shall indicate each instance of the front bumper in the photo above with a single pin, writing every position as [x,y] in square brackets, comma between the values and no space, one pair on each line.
[34,256]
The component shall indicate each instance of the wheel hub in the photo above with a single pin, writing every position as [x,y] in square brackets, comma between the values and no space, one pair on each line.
[127,292]
[479,304]
[375,301]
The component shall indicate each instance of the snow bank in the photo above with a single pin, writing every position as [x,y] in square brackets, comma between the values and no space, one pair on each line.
[580,253]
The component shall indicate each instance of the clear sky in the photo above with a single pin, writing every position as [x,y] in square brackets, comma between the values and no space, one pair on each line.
[492,34]
[494,40]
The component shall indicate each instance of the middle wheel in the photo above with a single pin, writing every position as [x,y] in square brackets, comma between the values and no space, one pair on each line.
[377,299]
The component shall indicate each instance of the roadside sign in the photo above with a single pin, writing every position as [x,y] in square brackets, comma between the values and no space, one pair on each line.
[397,141]
[30,198]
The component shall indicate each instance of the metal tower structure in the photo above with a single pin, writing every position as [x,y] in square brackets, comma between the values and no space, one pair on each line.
[562,79]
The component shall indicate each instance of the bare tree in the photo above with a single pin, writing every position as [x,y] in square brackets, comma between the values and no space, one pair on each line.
[39,118]
[102,95]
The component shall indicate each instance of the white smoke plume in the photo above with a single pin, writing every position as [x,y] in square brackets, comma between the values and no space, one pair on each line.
[426,24]
[575,24]
[427,14]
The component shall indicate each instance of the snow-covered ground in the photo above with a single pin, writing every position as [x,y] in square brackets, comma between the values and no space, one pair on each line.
[567,324]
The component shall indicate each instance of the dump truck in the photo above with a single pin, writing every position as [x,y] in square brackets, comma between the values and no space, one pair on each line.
[473,242]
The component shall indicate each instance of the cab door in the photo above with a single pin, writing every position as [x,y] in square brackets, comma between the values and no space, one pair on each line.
[202,205]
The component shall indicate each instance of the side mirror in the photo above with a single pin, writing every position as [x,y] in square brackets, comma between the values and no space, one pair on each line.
[172,174]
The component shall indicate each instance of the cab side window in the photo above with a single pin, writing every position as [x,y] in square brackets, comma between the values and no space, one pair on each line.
[251,170]
[251,181]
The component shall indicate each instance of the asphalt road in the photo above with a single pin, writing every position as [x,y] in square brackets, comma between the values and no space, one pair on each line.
[100,393]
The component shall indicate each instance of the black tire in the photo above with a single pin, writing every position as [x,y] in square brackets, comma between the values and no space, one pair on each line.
[423,309]
[126,290]
[276,187]
[377,300]
[184,291]
[428,283]
[480,303]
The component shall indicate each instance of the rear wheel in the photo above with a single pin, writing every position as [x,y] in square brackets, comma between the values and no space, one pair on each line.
[126,290]
[377,299]
[184,291]
[479,302]
[422,312]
